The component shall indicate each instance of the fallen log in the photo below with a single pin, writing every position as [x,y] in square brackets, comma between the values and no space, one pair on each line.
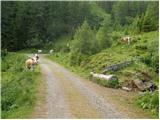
[127,89]
[106,80]
[104,77]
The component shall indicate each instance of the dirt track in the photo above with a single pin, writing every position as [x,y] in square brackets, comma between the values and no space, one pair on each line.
[69,96]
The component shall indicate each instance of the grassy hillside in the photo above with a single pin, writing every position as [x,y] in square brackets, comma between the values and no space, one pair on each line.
[19,86]
[140,47]
[144,46]
[119,53]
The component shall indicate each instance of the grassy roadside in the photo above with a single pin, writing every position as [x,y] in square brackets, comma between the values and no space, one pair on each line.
[40,105]
[144,45]
[18,87]
[63,59]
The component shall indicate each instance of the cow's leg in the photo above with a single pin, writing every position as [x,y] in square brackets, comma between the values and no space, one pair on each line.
[28,67]
[33,67]
[129,41]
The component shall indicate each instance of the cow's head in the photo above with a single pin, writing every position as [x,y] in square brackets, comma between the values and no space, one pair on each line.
[36,56]
[35,61]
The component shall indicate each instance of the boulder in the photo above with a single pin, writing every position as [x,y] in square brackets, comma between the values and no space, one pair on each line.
[139,84]
[142,86]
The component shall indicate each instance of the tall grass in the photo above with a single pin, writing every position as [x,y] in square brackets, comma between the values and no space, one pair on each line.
[149,101]
[18,87]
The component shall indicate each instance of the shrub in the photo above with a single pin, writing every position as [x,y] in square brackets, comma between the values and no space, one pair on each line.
[141,47]
[112,83]
[103,35]
[3,53]
[84,44]
[116,35]
[106,83]
[4,66]
[84,40]
[149,101]
[76,58]
[152,58]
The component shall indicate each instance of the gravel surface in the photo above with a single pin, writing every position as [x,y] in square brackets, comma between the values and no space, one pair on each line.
[57,108]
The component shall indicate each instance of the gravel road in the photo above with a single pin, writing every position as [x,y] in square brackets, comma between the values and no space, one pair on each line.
[68,97]
[56,105]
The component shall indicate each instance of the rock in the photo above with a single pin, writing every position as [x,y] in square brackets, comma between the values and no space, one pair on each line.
[139,84]
[144,85]
[143,76]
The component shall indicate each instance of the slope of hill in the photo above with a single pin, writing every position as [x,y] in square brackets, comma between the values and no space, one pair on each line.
[143,46]
[120,52]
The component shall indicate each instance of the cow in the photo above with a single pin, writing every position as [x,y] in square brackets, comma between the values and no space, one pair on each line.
[32,61]
[51,51]
[39,51]
[126,40]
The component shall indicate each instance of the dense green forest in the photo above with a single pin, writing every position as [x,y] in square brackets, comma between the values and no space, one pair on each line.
[86,37]
[34,24]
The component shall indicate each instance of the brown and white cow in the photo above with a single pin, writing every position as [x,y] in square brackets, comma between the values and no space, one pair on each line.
[31,62]
[126,40]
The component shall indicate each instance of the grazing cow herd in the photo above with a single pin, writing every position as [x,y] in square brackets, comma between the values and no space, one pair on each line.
[32,61]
